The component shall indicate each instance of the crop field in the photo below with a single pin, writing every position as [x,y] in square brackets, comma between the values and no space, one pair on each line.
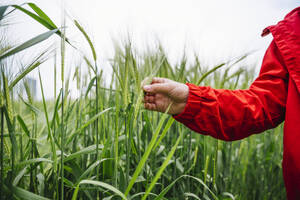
[103,144]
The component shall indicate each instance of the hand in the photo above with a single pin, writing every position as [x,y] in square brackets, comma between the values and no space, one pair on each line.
[162,92]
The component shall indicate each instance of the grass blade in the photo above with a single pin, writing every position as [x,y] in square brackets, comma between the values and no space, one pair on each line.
[2,11]
[164,192]
[162,168]
[34,160]
[37,62]
[91,168]
[28,43]
[2,150]
[42,14]
[87,150]
[37,18]
[163,134]
[191,195]
[86,124]
[24,194]
[23,125]
[146,154]
[100,184]
[50,134]
[209,72]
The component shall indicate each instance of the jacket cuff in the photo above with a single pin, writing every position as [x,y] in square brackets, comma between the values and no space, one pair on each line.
[192,106]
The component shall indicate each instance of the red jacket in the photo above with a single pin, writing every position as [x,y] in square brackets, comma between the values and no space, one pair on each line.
[272,98]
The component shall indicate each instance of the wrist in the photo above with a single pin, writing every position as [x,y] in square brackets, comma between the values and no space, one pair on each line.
[182,104]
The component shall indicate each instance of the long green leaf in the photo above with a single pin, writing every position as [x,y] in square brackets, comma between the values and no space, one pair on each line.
[86,124]
[163,134]
[188,194]
[34,109]
[37,62]
[23,125]
[2,11]
[162,168]
[50,133]
[28,44]
[41,18]
[19,176]
[91,168]
[209,72]
[55,109]
[42,14]
[10,127]
[164,192]
[87,150]
[142,193]
[24,194]
[91,84]
[146,154]
[34,160]
[35,17]
[100,184]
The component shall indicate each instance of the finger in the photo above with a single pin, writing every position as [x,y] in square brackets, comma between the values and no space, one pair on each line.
[150,106]
[146,81]
[157,88]
[149,94]
[158,80]
[149,99]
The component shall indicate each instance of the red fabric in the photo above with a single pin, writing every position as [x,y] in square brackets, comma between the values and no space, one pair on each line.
[272,98]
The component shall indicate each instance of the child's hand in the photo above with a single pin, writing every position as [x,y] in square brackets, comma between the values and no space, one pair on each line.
[162,92]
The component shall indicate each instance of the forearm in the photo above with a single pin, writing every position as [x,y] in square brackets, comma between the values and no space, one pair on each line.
[231,114]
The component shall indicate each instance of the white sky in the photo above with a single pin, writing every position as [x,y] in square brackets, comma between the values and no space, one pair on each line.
[213,29]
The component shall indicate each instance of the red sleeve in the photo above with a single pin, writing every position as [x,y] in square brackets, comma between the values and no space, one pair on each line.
[235,114]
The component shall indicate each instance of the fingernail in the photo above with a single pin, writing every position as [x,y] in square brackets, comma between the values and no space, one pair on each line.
[147,87]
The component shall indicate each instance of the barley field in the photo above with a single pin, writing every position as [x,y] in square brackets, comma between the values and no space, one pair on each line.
[104,145]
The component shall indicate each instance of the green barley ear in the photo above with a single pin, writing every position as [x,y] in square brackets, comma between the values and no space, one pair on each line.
[135,71]
[28,92]
[88,39]
[126,97]
[77,75]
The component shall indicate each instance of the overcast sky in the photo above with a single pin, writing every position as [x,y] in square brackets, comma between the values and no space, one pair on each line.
[213,29]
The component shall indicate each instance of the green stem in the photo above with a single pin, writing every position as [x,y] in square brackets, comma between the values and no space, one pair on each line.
[55,178]
[63,41]
[127,148]
[96,126]
[215,163]
[1,154]
[62,145]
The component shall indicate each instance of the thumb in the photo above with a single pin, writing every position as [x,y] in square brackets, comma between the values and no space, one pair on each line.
[157,88]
